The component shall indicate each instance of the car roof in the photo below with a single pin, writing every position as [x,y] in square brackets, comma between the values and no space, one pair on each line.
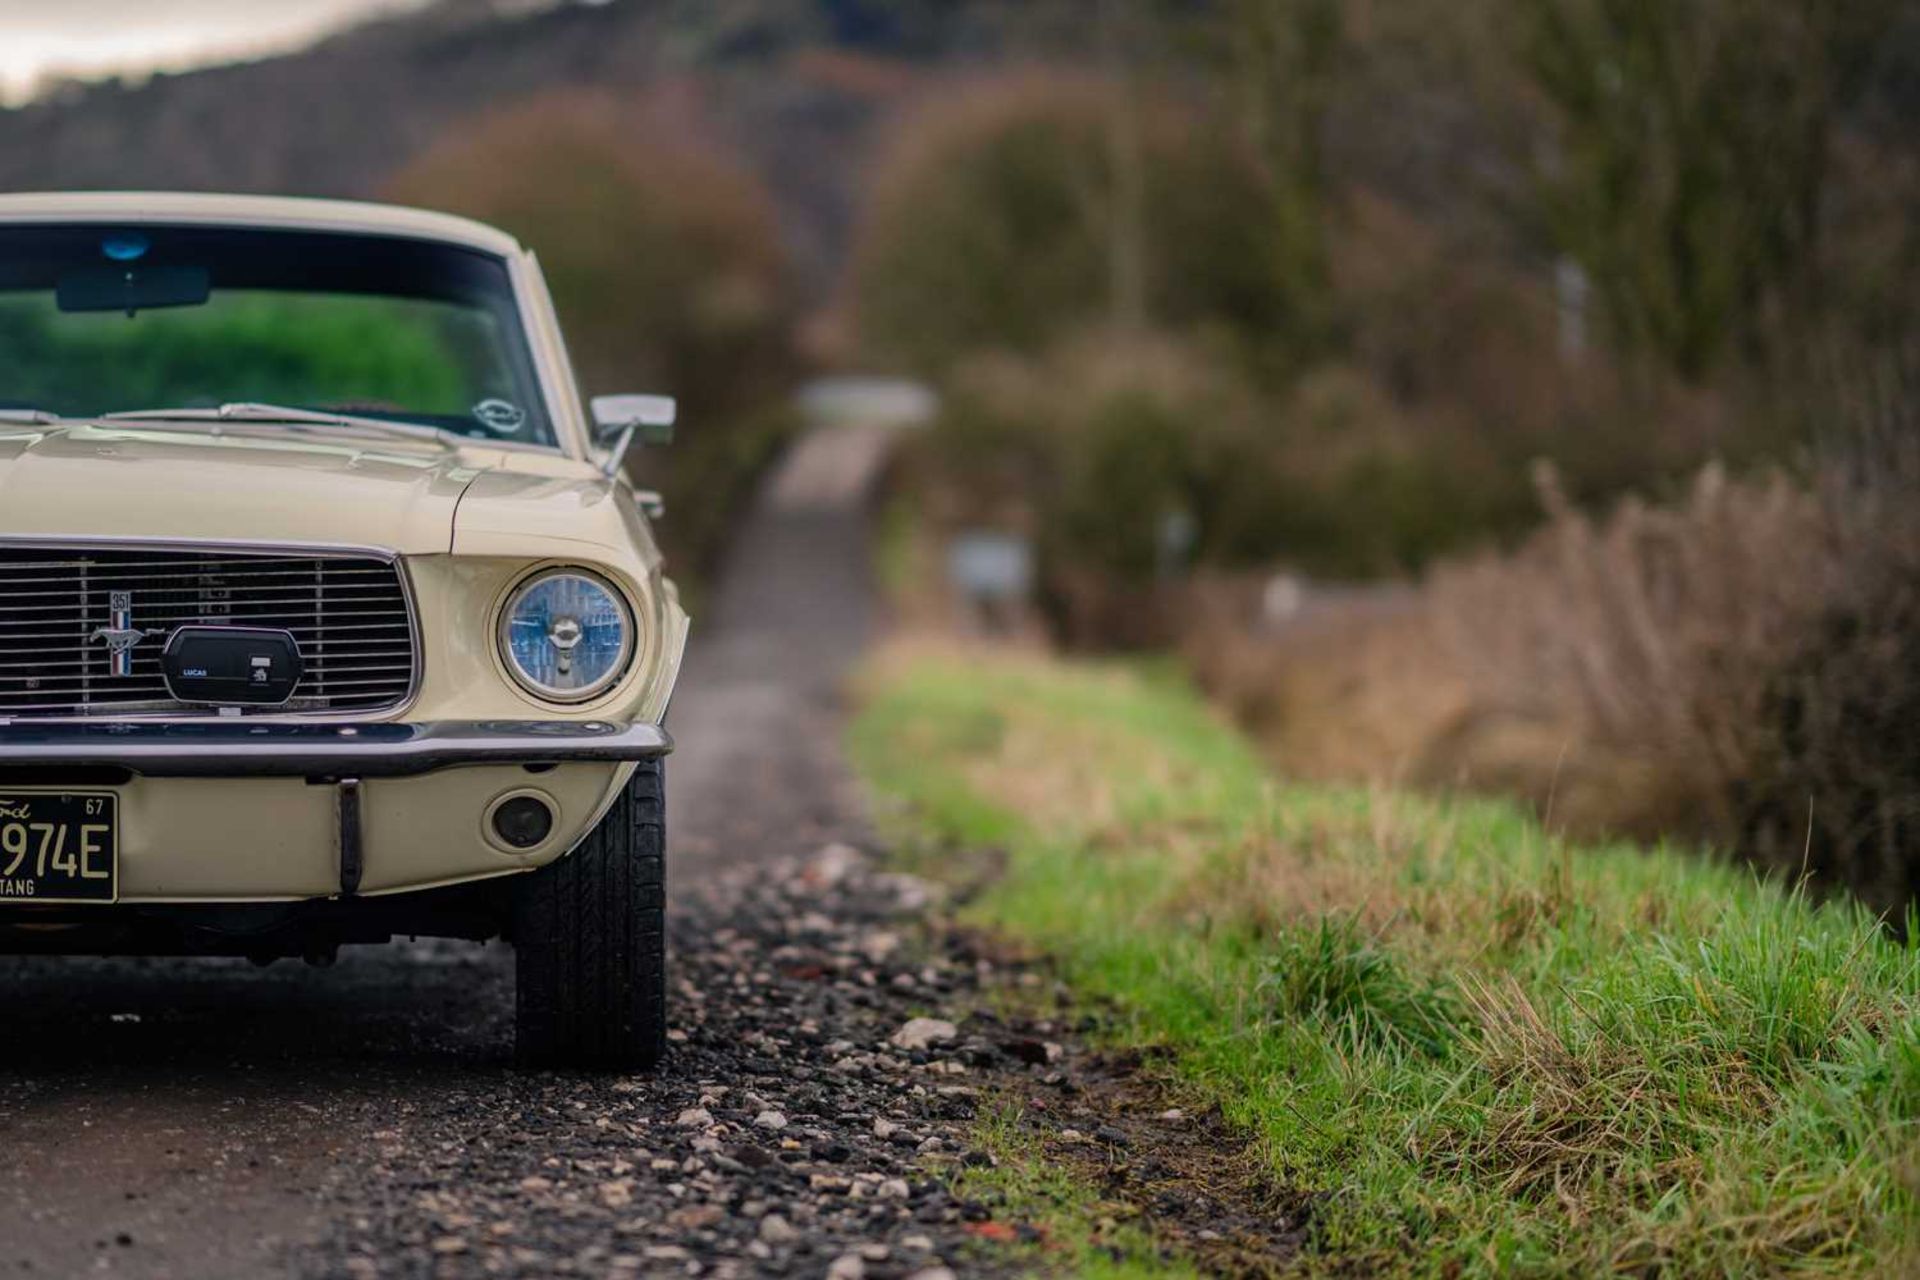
[288,213]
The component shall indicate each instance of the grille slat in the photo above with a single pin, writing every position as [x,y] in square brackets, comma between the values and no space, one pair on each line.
[327,662]
[300,631]
[244,575]
[350,615]
[349,591]
[200,563]
[211,608]
[96,599]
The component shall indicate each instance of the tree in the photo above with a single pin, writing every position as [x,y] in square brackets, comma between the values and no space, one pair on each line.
[1016,213]
[1688,154]
[1285,56]
[664,257]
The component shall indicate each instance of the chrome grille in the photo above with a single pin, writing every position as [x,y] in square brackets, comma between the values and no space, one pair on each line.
[349,613]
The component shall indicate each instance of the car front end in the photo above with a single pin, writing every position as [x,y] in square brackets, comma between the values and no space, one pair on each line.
[417,754]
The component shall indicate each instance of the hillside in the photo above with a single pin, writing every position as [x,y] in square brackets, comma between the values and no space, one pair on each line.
[797,87]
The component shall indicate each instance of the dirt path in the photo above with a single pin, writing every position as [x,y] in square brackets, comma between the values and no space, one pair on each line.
[202,1118]
[756,773]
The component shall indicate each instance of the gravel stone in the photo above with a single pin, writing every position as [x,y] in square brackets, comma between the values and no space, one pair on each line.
[836,1161]
[831,865]
[923,1033]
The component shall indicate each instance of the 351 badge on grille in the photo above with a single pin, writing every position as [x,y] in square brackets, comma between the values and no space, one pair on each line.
[120,633]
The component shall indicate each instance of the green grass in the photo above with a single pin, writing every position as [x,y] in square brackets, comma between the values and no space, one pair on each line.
[1494,1053]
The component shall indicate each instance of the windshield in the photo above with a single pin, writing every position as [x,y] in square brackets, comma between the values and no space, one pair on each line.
[135,319]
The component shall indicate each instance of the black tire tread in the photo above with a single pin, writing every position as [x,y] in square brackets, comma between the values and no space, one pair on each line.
[589,936]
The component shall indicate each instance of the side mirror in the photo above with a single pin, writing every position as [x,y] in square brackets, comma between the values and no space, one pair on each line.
[618,421]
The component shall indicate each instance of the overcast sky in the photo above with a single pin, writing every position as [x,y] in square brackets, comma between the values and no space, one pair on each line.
[102,37]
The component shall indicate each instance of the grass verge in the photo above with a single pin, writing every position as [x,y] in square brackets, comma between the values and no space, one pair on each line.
[1488,1051]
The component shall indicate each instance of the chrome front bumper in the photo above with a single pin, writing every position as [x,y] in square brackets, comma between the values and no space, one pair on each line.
[238,749]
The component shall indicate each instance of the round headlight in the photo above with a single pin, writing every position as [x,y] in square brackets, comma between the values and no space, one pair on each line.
[566,635]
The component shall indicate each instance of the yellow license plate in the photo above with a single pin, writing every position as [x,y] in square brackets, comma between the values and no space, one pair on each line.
[59,847]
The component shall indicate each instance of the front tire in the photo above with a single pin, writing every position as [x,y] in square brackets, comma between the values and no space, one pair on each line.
[589,937]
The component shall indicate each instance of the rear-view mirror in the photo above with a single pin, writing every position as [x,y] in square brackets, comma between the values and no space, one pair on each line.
[131,289]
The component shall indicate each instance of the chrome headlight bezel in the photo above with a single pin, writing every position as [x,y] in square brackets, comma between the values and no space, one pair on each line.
[528,683]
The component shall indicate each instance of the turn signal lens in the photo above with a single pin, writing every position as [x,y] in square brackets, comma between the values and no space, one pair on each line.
[523,821]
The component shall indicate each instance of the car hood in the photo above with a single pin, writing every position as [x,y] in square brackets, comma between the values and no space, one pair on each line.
[189,481]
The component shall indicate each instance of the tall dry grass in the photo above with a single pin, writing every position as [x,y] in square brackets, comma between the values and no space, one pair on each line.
[1751,655]
[1352,687]
[1740,667]
[1648,640]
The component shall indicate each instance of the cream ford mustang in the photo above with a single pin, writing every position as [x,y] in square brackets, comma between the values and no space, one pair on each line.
[326,611]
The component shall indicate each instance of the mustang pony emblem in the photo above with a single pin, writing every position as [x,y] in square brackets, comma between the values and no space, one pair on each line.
[120,634]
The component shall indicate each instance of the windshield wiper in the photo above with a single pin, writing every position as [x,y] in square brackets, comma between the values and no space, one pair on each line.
[283,415]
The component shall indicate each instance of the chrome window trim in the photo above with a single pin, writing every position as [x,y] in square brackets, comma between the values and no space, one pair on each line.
[532,302]
[317,551]
[553,366]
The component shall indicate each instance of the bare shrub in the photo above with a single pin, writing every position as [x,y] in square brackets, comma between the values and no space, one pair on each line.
[1651,635]
[1743,667]
[1494,373]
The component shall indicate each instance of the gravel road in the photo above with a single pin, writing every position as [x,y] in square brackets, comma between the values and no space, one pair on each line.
[203,1118]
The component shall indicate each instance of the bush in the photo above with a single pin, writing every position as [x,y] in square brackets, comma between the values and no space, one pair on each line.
[1492,374]
[1740,667]
[1746,666]
[666,265]
[1841,785]
[1416,443]
[1105,444]
[1010,214]
[1102,448]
